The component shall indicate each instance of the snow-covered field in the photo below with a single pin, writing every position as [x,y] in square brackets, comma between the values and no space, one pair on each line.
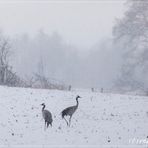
[102,120]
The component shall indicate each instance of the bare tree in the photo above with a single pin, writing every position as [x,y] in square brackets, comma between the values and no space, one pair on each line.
[42,81]
[131,36]
[30,81]
[7,76]
[4,58]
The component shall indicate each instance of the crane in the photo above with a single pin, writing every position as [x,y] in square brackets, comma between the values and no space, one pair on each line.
[69,111]
[47,116]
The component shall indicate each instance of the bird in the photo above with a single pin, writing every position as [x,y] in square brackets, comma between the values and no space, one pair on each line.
[69,111]
[47,116]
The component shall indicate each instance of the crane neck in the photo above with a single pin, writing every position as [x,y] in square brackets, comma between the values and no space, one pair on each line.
[43,107]
[77,103]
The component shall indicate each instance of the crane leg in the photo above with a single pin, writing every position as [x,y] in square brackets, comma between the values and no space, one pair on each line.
[70,120]
[66,121]
[45,126]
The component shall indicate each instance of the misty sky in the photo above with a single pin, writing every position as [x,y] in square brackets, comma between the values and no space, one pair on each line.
[79,23]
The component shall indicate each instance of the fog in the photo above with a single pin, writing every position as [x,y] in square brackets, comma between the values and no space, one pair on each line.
[73,40]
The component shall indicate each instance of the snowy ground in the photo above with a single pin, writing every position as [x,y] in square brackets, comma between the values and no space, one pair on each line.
[102,120]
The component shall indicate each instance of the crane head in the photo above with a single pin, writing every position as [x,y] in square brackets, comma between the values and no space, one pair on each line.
[43,104]
[78,97]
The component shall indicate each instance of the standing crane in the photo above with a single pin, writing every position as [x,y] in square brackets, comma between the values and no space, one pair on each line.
[69,111]
[47,116]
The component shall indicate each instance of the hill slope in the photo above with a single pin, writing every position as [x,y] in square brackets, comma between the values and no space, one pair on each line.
[103,120]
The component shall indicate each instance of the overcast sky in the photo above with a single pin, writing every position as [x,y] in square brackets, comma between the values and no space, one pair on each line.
[79,23]
[82,24]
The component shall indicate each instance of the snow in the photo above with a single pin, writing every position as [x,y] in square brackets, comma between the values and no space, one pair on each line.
[102,119]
